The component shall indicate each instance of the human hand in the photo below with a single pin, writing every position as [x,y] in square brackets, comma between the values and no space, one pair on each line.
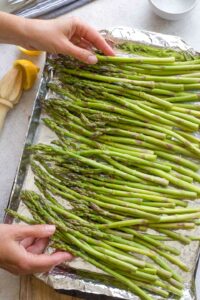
[65,35]
[22,247]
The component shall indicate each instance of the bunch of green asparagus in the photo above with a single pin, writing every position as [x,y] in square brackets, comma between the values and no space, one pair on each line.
[126,165]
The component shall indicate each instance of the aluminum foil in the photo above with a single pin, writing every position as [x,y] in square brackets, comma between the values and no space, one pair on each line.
[119,35]
[14,5]
[79,275]
[49,8]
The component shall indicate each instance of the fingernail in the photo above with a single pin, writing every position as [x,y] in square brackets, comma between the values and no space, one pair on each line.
[50,228]
[92,59]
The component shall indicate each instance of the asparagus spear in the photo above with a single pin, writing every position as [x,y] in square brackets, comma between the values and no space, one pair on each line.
[117,192]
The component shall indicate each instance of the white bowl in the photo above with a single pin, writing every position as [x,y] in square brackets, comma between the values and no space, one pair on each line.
[172,9]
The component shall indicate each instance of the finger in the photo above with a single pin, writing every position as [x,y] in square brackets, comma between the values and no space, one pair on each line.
[39,246]
[44,262]
[82,43]
[81,54]
[37,231]
[27,242]
[93,36]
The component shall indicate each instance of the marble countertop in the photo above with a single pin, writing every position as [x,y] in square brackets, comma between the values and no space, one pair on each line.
[101,14]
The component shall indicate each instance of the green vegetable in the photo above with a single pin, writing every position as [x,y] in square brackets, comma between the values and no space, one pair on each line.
[126,132]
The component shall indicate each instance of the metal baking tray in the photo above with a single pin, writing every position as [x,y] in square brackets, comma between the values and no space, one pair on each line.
[69,279]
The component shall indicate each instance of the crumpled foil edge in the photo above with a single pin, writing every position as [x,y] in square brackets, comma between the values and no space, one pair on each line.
[121,34]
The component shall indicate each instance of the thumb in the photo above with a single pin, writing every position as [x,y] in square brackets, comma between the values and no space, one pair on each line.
[81,54]
[36,231]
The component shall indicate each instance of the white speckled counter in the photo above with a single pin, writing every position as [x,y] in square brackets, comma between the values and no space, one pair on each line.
[101,14]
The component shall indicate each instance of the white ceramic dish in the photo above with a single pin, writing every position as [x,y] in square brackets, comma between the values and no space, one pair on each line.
[172,9]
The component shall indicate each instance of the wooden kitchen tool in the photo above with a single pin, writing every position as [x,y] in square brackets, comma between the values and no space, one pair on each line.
[33,289]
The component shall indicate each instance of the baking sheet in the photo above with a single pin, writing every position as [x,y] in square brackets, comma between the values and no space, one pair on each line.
[70,278]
